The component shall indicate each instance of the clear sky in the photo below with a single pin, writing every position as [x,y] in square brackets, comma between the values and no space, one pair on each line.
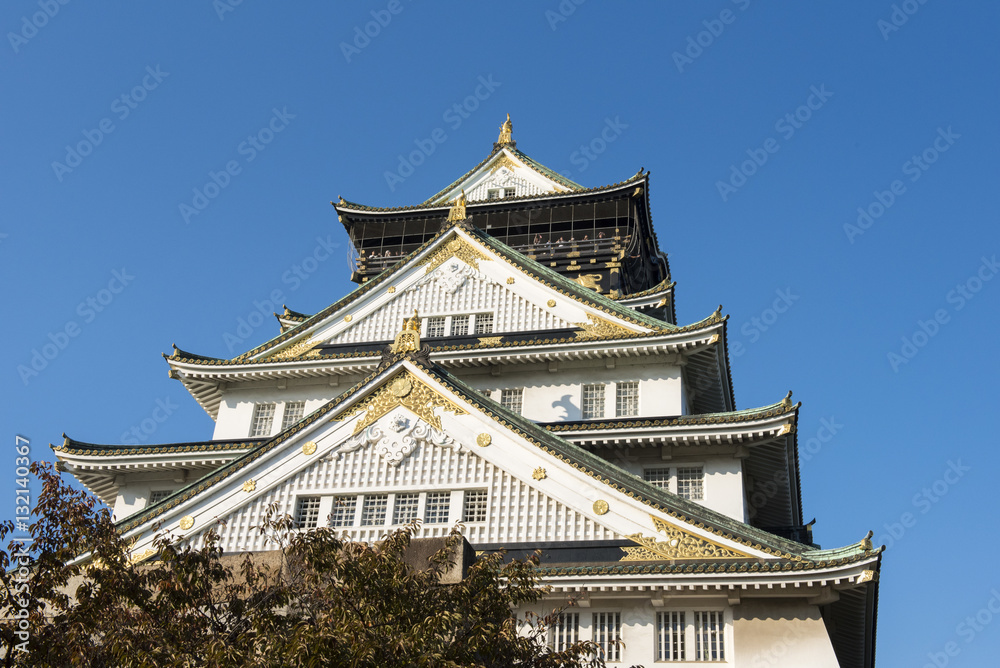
[765,128]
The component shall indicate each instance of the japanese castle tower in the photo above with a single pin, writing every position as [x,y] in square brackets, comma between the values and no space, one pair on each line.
[511,360]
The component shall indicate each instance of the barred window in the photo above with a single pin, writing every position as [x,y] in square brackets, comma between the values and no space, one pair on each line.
[294,410]
[565,631]
[484,323]
[593,401]
[158,495]
[474,507]
[709,636]
[436,507]
[607,634]
[659,477]
[670,630]
[307,512]
[263,418]
[627,399]
[404,510]
[435,326]
[373,510]
[342,514]
[459,325]
[690,482]
[511,399]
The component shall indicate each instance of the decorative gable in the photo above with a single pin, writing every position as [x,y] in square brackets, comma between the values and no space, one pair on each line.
[508,173]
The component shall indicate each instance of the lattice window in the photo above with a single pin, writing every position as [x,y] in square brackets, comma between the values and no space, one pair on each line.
[709,636]
[459,325]
[659,477]
[435,326]
[294,410]
[158,495]
[404,510]
[592,404]
[484,323]
[342,514]
[565,631]
[627,399]
[607,634]
[512,399]
[436,507]
[263,419]
[373,510]
[691,482]
[307,512]
[670,629]
[474,506]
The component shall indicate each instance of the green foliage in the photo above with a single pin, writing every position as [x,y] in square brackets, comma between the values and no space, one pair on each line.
[322,602]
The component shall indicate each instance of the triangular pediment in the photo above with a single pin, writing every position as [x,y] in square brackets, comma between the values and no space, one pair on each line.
[415,430]
[462,273]
[506,173]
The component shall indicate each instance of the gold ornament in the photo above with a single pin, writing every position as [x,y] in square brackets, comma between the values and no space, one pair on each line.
[249,485]
[308,447]
[597,327]
[457,247]
[408,339]
[679,545]
[539,474]
[510,280]
[186,522]
[457,211]
[505,132]
[551,303]
[600,506]
[348,317]
[402,387]
[483,440]
[415,396]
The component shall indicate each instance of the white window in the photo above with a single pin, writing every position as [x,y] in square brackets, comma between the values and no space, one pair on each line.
[294,410]
[307,512]
[474,506]
[484,323]
[263,418]
[670,630]
[511,399]
[709,636]
[158,495]
[459,325]
[436,507]
[342,514]
[592,404]
[565,631]
[500,193]
[435,326]
[404,510]
[659,477]
[627,399]
[373,510]
[690,482]
[607,635]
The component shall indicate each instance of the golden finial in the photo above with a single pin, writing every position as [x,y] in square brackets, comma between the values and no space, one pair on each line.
[408,339]
[718,313]
[505,131]
[457,211]
[787,401]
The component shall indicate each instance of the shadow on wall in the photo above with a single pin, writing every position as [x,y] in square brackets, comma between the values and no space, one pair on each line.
[567,405]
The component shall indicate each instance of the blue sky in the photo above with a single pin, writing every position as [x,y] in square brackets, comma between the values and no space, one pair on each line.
[765,128]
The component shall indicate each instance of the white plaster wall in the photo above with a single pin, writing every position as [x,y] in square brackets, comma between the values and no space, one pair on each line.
[782,634]
[236,408]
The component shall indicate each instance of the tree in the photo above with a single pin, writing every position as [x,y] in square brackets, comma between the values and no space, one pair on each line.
[321,601]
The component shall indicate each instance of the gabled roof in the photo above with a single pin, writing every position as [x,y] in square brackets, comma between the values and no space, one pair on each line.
[623,489]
